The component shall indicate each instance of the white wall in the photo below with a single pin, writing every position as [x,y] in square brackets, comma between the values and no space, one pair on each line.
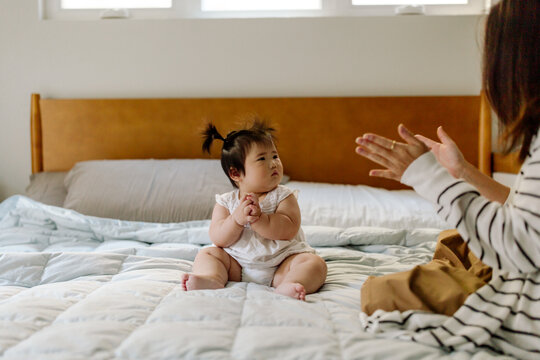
[225,58]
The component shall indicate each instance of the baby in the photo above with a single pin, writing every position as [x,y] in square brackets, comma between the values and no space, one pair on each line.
[256,227]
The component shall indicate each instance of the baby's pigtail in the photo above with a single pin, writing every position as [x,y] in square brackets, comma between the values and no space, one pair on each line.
[209,134]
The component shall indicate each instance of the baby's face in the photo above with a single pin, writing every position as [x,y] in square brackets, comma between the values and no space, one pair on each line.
[263,170]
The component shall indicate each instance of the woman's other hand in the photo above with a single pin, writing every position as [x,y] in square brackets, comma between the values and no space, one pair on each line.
[394,156]
[446,152]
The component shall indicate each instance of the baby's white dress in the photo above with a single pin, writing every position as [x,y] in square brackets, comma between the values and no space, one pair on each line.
[259,256]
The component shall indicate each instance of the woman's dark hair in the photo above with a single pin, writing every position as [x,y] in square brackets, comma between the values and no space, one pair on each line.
[237,144]
[511,70]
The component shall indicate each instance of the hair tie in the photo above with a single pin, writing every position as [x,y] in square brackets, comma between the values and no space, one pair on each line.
[230,137]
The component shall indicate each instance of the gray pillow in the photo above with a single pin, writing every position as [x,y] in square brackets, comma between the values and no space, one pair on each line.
[47,187]
[146,190]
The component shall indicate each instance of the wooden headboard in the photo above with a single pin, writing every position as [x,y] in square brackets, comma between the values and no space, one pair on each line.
[489,161]
[315,135]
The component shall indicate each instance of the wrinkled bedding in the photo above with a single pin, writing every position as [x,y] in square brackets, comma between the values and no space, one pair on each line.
[78,287]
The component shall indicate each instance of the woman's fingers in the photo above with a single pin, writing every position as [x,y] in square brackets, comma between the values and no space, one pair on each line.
[443,136]
[387,174]
[389,144]
[376,147]
[408,136]
[395,157]
[377,139]
[428,142]
[366,152]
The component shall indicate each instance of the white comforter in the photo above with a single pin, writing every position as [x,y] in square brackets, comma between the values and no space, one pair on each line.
[77,287]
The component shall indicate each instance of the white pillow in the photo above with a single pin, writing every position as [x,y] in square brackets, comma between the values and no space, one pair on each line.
[146,190]
[359,205]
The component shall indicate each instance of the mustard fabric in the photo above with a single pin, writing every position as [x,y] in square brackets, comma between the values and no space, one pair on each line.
[440,286]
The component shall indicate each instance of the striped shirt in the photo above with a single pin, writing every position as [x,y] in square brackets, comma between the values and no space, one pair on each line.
[503,316]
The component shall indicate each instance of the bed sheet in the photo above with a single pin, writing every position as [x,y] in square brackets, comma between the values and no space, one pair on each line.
[77,287]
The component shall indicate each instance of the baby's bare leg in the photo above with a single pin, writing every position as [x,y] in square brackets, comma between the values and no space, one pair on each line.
[212,268]
[300,274]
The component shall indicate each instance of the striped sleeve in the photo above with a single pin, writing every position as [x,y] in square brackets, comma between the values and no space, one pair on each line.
[504,236]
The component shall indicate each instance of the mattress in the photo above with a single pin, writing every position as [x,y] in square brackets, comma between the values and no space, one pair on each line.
[80,287]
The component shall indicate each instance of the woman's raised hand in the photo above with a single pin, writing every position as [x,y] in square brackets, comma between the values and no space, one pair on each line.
[394,156]
[446,152]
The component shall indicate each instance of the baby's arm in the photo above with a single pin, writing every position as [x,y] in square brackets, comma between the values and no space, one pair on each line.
[226,228]
[281,225]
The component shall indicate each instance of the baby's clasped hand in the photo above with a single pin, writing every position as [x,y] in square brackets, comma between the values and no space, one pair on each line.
[248,212]
[254,213]
[255,209]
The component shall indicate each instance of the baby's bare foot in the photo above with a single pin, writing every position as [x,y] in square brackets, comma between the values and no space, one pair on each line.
[294,290]
[196,282]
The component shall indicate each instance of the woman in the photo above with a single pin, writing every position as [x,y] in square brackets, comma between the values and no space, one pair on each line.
[501,227]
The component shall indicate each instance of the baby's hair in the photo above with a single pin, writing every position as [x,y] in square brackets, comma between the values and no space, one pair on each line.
[237,144]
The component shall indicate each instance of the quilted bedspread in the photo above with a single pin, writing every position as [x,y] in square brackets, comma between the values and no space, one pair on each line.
[77,287]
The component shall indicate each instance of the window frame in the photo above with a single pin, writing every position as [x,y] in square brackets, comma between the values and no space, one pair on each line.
[191,9]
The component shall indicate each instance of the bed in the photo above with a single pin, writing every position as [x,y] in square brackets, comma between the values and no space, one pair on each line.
[118,207]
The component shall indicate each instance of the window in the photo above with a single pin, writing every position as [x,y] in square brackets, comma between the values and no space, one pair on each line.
[259,5]
[101,9]
[409,2]
[167,9]
[112,4]
[424,7]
